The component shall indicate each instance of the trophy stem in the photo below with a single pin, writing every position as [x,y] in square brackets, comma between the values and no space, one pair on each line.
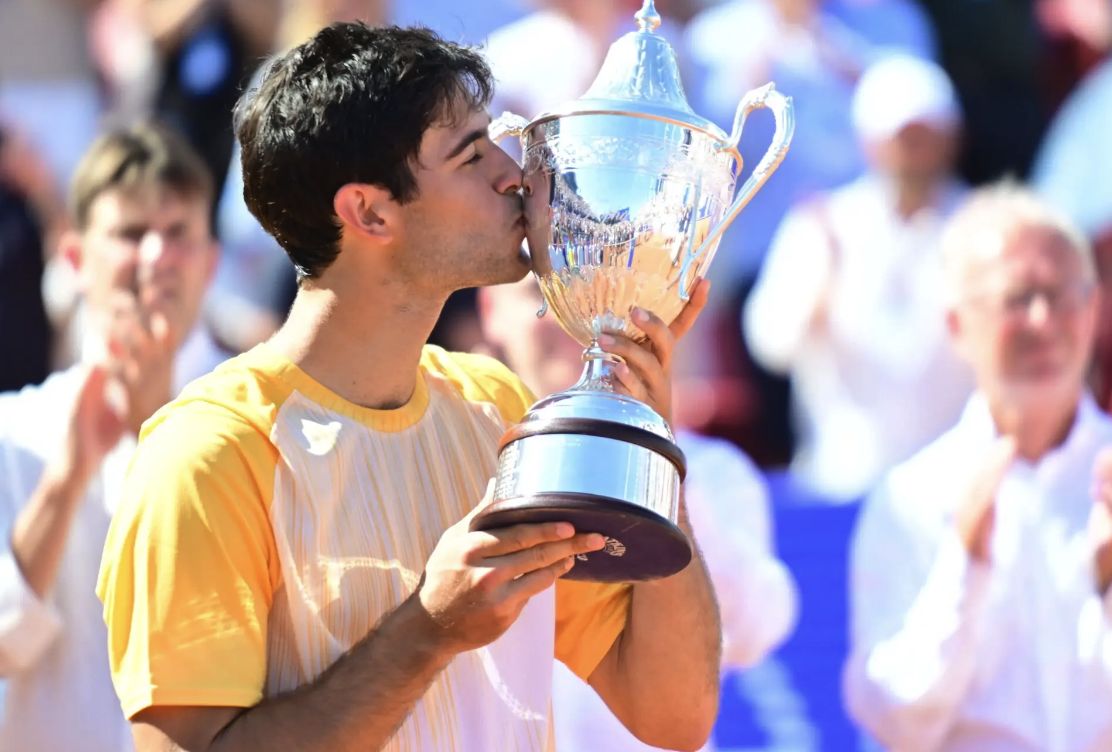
[598,369]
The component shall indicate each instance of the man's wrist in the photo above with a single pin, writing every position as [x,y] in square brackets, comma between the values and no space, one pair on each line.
[430,641]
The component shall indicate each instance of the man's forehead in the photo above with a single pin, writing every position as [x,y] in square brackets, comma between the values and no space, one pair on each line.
[145,203]
[445,132]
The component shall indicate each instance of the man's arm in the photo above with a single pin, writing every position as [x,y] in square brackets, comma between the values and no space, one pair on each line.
[474,587]
[38,528]
[660,678]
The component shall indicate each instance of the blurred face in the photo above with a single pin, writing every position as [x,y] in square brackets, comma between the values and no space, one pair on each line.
[536,349]
[918,153]
[465,228]
[154,248]
[1027,318]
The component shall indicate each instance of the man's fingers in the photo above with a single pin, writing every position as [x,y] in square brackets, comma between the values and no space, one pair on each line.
[509,540]
[630,382]
[646,365]
[539,580]
[699,296]
[661,339]
[545,554]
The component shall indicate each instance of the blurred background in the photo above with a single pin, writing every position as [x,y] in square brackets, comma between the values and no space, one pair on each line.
[822,355]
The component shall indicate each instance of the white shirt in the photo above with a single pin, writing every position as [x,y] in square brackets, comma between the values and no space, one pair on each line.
[880,379]
[949,654]
[55,689]
[727,503]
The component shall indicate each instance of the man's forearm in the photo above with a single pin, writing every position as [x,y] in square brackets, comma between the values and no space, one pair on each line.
[662,676]
[41,530]
[357,704]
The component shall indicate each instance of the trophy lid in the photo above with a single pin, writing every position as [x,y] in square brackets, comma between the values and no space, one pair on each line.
[640,77]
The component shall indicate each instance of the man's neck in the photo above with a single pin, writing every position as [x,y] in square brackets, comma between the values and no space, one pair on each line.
[912,196]
[365,348]
[1037,430]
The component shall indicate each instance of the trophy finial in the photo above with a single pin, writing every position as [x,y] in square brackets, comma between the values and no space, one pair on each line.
[647,18]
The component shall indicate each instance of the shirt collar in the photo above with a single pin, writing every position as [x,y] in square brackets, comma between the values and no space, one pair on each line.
[978,429]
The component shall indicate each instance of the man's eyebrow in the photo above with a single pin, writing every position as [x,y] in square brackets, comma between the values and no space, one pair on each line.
[466,141]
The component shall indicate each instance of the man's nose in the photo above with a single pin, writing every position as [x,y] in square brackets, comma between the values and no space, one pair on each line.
[510,177]
[152,248]
[1038,311]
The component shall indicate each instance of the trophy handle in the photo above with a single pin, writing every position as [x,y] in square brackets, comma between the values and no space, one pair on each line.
[784,116]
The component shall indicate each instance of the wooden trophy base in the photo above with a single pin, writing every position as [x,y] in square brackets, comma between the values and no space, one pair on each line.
[640,545]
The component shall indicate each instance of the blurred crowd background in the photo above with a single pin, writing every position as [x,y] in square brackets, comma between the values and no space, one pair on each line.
[823,353]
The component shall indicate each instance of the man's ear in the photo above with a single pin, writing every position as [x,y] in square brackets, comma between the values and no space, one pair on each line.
[367,210]
[72,253]
[955,328]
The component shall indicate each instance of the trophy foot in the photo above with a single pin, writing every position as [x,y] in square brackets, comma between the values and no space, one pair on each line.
[640,544]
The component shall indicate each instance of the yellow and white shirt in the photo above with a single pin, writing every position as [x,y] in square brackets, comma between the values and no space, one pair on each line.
[267,524]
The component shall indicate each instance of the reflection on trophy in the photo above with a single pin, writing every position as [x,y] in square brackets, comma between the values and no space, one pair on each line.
[627,192]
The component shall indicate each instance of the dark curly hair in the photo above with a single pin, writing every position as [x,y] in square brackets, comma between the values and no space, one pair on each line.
[348,106]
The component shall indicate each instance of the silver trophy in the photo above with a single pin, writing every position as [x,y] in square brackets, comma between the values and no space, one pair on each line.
[627,193]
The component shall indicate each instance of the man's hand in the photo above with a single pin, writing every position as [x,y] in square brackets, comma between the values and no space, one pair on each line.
[976,516]
[1100,520]
[95,426]
[141,359]
[476,583]
[646,373]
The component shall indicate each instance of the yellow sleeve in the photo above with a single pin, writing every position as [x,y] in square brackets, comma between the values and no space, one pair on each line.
[189,567]
[589,618]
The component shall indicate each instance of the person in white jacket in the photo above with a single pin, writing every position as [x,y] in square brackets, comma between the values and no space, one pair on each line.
[144,253]
[981,566]
[727,503]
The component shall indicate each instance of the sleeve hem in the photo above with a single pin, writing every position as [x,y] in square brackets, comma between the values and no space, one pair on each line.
[142,698]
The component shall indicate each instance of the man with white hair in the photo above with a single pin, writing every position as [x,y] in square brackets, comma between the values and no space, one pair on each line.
[849,301]
[981,613]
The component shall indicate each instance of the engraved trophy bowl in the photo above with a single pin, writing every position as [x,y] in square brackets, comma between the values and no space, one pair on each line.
[626,193]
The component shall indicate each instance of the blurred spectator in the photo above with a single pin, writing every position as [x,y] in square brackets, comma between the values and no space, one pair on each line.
[25,335]
[47,86]
[1073,164]
[850,301]
[813,54]
[144,254]
[814,57]
[726,501]
[981,566]
[204,52]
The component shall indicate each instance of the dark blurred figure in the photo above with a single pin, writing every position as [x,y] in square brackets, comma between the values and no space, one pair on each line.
[25,336]
[996,54]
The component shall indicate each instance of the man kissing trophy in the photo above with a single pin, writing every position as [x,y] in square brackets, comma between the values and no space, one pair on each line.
[627,192]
